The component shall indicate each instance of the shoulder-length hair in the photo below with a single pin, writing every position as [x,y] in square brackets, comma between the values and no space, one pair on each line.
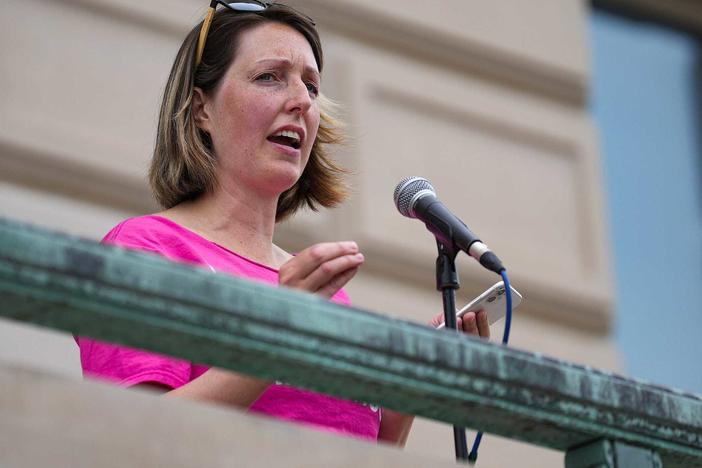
[184,164]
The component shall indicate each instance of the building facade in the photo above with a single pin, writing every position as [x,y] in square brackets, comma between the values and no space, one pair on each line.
[488,100]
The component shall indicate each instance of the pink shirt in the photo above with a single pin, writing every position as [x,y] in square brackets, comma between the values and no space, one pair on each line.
[128,366]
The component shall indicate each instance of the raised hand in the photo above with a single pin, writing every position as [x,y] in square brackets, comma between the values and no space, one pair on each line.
[322,268]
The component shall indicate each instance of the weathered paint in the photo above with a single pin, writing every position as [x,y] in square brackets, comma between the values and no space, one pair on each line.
[145,301]
[609,454]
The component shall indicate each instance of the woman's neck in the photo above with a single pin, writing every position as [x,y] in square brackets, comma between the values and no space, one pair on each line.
[240,222]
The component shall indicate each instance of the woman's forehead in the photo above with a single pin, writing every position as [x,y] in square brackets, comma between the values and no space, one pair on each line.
[276,42]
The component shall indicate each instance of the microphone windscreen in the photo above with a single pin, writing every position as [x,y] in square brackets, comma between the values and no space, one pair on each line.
[407,191]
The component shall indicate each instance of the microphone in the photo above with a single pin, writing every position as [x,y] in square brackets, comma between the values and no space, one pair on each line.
[415,197]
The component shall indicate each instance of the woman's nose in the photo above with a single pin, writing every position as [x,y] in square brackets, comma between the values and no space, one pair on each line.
[299,99]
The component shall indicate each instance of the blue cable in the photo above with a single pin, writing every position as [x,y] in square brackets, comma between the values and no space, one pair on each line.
[508,316]
[473,455]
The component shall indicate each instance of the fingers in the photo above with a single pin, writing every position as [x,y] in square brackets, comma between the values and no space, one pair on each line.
[472,323]
[468,324]
[483,324]
[339,281]
[322,268]
[437,320]
[475,324]
[305,262]
[331,271]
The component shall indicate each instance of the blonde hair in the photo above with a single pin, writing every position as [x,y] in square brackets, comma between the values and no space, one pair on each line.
[184,165]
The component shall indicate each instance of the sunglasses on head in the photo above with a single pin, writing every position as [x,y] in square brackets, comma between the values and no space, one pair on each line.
[253,6]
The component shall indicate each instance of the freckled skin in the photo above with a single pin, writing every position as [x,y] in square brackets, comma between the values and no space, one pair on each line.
[267,86]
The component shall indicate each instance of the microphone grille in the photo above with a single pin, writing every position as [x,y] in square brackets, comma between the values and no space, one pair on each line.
[406,194]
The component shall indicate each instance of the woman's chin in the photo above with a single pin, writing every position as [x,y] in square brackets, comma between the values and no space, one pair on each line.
[272,180]
[283,180]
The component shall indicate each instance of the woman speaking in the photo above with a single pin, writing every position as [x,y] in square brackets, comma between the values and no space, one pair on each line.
[242,143]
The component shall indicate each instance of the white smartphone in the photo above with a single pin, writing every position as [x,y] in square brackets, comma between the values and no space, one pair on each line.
[493,301]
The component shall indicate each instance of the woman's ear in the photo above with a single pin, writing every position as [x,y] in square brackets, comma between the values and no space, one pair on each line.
[201,110]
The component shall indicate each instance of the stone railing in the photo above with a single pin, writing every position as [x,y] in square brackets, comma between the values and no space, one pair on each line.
[599,419]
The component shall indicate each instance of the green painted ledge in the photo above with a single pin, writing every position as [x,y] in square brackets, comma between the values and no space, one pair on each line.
[141,300]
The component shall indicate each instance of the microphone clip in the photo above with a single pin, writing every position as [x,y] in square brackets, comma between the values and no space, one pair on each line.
[446,274]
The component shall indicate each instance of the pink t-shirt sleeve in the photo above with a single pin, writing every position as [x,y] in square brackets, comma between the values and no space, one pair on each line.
[129,366]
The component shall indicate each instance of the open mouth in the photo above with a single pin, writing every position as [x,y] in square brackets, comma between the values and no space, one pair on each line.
[286,138]
[286,141]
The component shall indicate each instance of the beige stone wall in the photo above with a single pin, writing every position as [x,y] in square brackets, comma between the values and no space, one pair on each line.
[57,423]
[485,98]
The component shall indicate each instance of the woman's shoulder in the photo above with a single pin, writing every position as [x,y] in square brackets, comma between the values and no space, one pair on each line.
[148,232]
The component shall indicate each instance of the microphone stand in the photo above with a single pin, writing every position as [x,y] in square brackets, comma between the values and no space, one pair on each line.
[447,283]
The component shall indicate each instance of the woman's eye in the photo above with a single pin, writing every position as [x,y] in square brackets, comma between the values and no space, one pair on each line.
[313,89]
[265,77]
